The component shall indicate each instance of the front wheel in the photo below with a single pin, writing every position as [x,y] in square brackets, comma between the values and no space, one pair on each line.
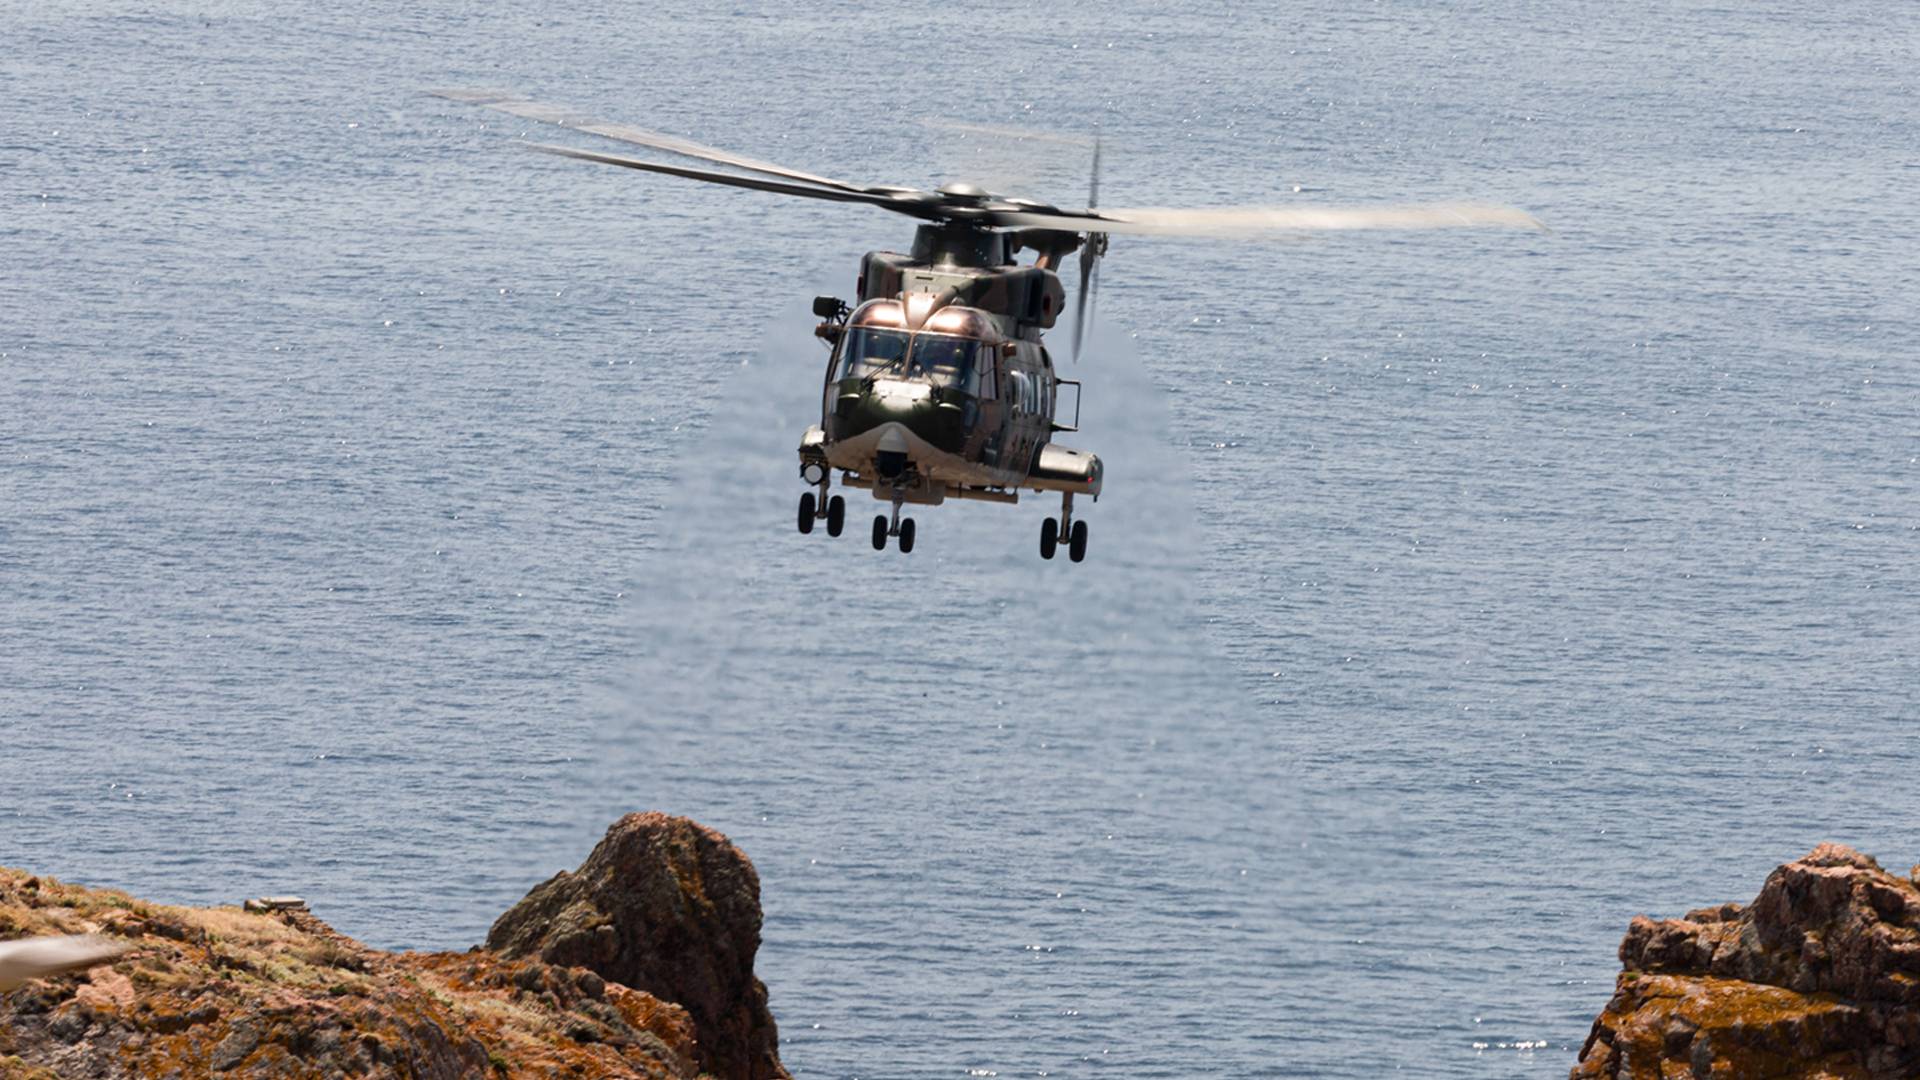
[906,536]
[880,533]
[1077,547]
[1049,537]
[806,512]
[836,515]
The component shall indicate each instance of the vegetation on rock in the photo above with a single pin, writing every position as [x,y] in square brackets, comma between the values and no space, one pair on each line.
[1819,977]
[225,992]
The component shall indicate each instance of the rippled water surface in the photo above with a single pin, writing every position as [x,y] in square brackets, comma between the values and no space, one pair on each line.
[384,509]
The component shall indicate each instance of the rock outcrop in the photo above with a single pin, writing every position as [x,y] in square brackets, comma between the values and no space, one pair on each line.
[1819,977]
[669,907]
[221,992]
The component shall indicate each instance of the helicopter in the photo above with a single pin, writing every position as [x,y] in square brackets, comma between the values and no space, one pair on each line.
[938,383]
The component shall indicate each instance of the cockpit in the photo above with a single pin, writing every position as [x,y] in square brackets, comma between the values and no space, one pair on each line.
[945,352]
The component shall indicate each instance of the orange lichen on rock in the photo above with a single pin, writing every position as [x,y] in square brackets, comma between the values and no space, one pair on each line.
[226,992]
[656,891]
[1661,1026]
[1814,979]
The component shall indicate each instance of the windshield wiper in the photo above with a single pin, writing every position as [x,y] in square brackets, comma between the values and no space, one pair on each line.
[866,383]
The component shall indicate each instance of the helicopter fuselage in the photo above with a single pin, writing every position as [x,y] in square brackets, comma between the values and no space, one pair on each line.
[914,432]
[939,385]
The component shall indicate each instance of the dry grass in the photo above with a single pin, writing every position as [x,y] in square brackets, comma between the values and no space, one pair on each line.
[230,924]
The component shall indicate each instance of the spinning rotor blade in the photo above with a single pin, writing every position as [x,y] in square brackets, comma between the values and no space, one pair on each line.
[963,203]
[1093,280]
[1080,301]
[37,958]
[904,203]
[1009,134]
[1089,298]
[1091,248]
[1256,221]
[1093,185]
[627,133]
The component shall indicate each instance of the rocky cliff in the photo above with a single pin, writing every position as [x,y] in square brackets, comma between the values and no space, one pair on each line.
[1819,977]
[667,905]
[222,992]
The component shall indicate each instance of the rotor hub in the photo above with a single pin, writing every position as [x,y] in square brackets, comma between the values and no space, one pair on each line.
[963,192]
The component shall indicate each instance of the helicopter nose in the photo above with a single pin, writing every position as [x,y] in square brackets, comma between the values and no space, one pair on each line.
[890,456]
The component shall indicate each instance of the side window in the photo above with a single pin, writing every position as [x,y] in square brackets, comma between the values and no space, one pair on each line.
[831,389]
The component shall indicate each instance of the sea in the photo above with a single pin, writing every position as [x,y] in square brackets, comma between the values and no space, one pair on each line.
[385,509]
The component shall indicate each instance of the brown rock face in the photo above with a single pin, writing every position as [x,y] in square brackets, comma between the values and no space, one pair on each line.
[670,908]
[220,992]
[1818,977]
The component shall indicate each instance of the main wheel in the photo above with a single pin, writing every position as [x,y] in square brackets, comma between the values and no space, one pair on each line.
[1049,537]
[906,536]
[806,512]
[880,533]
[1077,547]
[836,515]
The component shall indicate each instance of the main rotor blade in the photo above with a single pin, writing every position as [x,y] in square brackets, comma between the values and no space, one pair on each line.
[1251,222]
[1010,134]
[627,133]
[37,958]
[904,204]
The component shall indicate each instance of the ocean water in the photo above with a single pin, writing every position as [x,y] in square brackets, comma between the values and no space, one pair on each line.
[384,509]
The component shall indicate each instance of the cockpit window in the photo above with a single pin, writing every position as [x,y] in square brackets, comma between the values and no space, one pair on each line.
[947,359]
[936,358]
[869,349]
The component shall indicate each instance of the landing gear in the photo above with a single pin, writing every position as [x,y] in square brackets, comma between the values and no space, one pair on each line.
[813,507]
[1074,532]
[883,528]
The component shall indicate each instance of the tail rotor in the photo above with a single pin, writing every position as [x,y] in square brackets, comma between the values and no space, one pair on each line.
[1092,246]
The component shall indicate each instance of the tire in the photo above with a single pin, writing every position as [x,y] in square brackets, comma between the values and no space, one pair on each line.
[806,512]
[880,533]
[906,536]
[836,515]
[1077,547]
[1049,537]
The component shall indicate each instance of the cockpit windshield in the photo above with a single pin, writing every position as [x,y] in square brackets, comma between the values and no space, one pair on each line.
[869,350]
[937,358]
[947,359]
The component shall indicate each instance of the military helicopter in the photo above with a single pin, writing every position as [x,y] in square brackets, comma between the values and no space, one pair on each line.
[938,385]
